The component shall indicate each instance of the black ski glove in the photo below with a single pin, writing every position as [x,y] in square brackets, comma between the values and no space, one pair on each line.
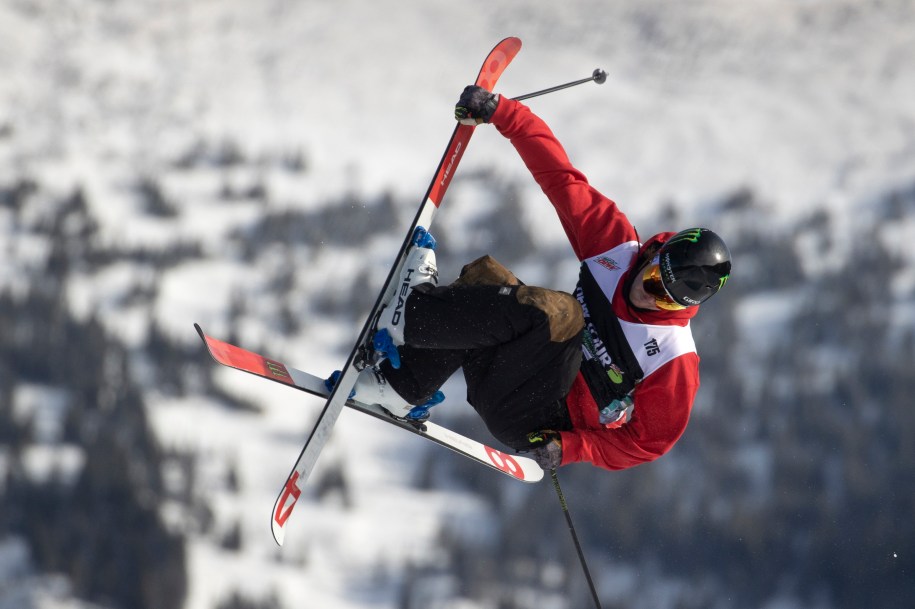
[476,106]
[547,449]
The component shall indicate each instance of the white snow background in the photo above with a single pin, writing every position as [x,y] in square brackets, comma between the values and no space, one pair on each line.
[808,102]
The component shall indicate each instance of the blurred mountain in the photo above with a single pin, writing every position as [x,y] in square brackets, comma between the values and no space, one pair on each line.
[251,166]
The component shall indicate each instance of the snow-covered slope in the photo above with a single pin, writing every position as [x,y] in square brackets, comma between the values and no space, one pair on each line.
[806,100]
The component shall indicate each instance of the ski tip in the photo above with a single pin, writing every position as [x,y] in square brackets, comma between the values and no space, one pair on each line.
[496,62]
[510,46]
[511,42]
[199,330]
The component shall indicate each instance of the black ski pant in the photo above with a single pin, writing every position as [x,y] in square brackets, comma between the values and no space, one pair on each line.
[519,348]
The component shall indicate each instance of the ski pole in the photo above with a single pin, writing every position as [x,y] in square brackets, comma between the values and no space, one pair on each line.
[581,554]
[598,76]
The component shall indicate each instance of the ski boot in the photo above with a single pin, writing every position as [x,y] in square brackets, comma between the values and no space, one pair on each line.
[372,388]
[420,414]
[419,267]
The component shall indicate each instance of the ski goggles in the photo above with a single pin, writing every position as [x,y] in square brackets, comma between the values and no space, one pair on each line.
[654,287]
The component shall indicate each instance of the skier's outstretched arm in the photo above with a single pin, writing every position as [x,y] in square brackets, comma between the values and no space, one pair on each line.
[592,222]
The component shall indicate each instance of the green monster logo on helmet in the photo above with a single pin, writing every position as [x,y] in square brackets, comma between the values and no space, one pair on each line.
[692,235]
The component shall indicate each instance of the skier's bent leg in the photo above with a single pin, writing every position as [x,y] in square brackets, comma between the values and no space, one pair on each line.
[519,387]
[462,316]
[422,372]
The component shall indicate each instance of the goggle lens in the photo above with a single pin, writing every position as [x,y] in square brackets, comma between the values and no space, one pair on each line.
[654,287]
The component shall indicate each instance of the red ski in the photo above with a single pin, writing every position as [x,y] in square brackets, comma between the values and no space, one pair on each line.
[516,466]
[495,63]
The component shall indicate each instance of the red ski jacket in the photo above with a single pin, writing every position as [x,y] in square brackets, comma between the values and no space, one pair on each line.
[662,401]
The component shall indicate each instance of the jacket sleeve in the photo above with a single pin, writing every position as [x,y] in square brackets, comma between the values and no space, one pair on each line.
[662,405]
[592,222]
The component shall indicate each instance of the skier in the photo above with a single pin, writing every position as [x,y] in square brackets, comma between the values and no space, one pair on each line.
[607,375]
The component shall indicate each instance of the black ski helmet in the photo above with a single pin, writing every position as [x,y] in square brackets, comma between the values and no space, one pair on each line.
[694,263]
